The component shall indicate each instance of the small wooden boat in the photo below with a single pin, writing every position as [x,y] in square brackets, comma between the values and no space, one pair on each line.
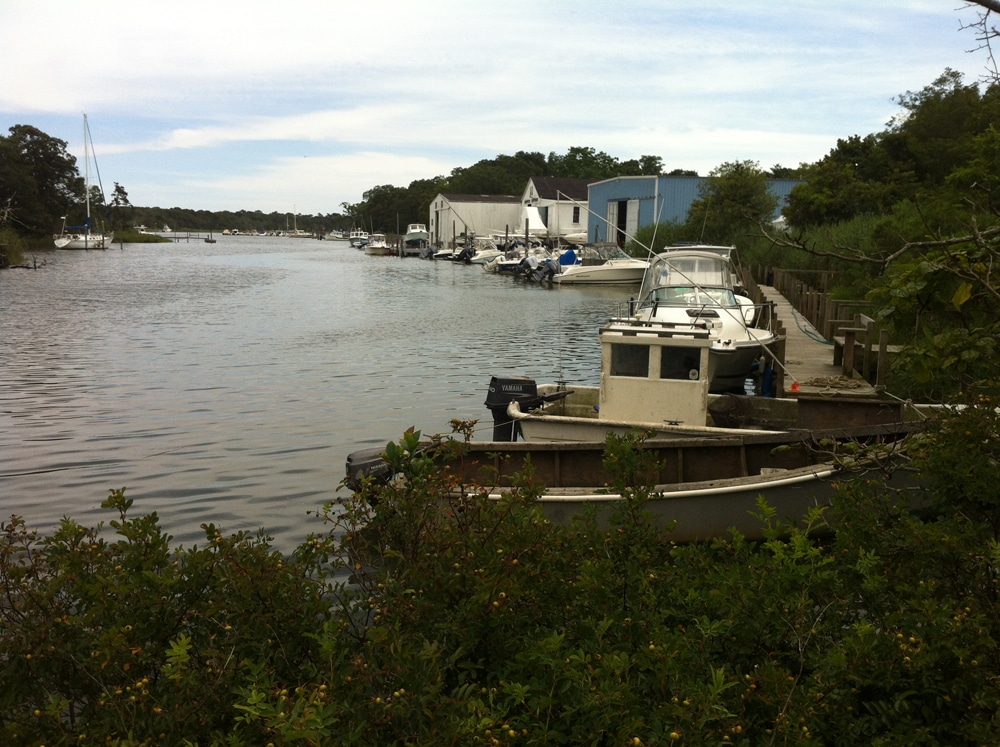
[714,455]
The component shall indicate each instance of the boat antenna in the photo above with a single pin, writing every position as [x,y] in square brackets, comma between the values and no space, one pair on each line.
[704,219]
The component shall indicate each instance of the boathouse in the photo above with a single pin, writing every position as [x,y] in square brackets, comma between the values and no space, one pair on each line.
[620,206]
[455,216]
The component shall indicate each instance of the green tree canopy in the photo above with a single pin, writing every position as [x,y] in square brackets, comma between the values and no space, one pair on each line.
[38,179]
[733,199]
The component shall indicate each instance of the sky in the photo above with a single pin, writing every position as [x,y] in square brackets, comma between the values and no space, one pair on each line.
[298,106]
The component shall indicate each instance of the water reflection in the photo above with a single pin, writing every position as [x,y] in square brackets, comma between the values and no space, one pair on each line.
[226,383]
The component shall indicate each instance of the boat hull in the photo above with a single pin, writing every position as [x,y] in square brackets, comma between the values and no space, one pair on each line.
[84,241]
[706,485]
[610,273]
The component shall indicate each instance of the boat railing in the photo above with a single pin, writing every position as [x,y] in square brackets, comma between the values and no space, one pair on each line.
[631,326]
[763,316]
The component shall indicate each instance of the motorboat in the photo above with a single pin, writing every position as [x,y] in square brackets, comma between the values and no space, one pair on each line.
[705,480]
[377,246]
[358,238]
[416,238]
[599,264]
[712,456]
[83,237]
[693,287]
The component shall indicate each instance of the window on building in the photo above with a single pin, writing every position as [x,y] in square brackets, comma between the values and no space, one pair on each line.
[576,213]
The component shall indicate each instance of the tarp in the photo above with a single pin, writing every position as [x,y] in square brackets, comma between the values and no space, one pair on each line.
[568,257]
[536,225]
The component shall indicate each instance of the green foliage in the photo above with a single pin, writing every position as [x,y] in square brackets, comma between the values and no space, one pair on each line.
[470,619]
[38,180]
[733,199]
[127,639]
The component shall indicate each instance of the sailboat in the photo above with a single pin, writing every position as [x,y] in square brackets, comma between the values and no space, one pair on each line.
[81,237]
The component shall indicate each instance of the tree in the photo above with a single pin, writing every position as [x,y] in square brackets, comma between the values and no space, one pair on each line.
[644,166]
[583,163]
[733,198]
[120,207]
[38,179]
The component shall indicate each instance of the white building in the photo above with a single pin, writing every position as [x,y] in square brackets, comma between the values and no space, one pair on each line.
[559,203]
[452,217]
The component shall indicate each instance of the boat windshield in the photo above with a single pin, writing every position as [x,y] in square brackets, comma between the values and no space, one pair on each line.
[692,270]
[692,296]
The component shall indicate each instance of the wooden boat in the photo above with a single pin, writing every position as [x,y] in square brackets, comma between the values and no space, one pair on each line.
[714,455]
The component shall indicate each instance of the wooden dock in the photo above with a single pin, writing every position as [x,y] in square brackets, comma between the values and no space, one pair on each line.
[809,366]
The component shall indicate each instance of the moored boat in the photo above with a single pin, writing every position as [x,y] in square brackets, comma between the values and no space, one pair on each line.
[604,264]
[83,237]
[713,454]
[358,238]
[377,246]
[415,239]
[693,287]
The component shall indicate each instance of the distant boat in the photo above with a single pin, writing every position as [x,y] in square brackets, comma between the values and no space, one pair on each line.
[358,238]
[377,246]
[81,237]
[415,239]
[209,239]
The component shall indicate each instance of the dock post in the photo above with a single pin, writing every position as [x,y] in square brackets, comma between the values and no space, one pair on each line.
[850,340]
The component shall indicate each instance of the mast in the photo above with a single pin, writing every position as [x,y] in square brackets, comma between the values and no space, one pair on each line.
[86,172]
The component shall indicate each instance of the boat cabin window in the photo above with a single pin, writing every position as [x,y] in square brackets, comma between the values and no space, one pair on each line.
[630,360]
[680,363]
[684,296]
[704,271]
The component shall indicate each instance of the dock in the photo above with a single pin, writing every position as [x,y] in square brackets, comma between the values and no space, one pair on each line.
[809,358]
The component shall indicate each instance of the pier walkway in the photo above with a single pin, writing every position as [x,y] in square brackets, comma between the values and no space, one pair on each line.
[809,365]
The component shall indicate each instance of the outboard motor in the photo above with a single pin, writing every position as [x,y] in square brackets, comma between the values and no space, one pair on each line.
[502,392]
[367,463]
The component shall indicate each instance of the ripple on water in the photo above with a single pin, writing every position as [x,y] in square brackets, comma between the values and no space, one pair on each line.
[227,383]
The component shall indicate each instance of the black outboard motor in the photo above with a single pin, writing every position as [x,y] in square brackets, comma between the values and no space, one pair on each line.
[503,391]
[367,463]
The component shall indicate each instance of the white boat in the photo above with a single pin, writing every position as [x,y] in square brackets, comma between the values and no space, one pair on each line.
[358,238]
[415,239]
[693,288]
[377,246]
[601,264]
[82,237]
[654,378]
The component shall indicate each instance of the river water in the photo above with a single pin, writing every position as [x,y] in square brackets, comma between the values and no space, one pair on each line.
[227,382]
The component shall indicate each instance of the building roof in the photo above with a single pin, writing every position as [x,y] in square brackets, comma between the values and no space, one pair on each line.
[556,187]
[481,198]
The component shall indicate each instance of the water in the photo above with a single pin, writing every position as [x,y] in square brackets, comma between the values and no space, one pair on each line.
[227,382]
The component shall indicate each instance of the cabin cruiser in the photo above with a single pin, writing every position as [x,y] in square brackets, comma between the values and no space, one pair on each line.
[693,287]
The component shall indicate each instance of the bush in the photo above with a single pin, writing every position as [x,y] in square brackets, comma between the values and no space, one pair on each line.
[468,620]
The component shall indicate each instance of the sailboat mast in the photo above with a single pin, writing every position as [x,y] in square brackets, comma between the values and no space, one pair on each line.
[86,172]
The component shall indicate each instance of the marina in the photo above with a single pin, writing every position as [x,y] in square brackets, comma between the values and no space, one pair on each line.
[227,383]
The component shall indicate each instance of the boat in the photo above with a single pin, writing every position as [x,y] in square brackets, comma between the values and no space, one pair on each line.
[210,239]
[706,485]
[358,238]
[377,246]
[712,456]
[693,287]
[82,237]
[600,264]
[416,238]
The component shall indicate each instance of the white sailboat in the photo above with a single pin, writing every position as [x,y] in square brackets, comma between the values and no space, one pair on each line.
[81,237]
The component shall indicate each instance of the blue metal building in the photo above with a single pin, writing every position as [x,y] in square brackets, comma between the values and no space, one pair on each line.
[619,207]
